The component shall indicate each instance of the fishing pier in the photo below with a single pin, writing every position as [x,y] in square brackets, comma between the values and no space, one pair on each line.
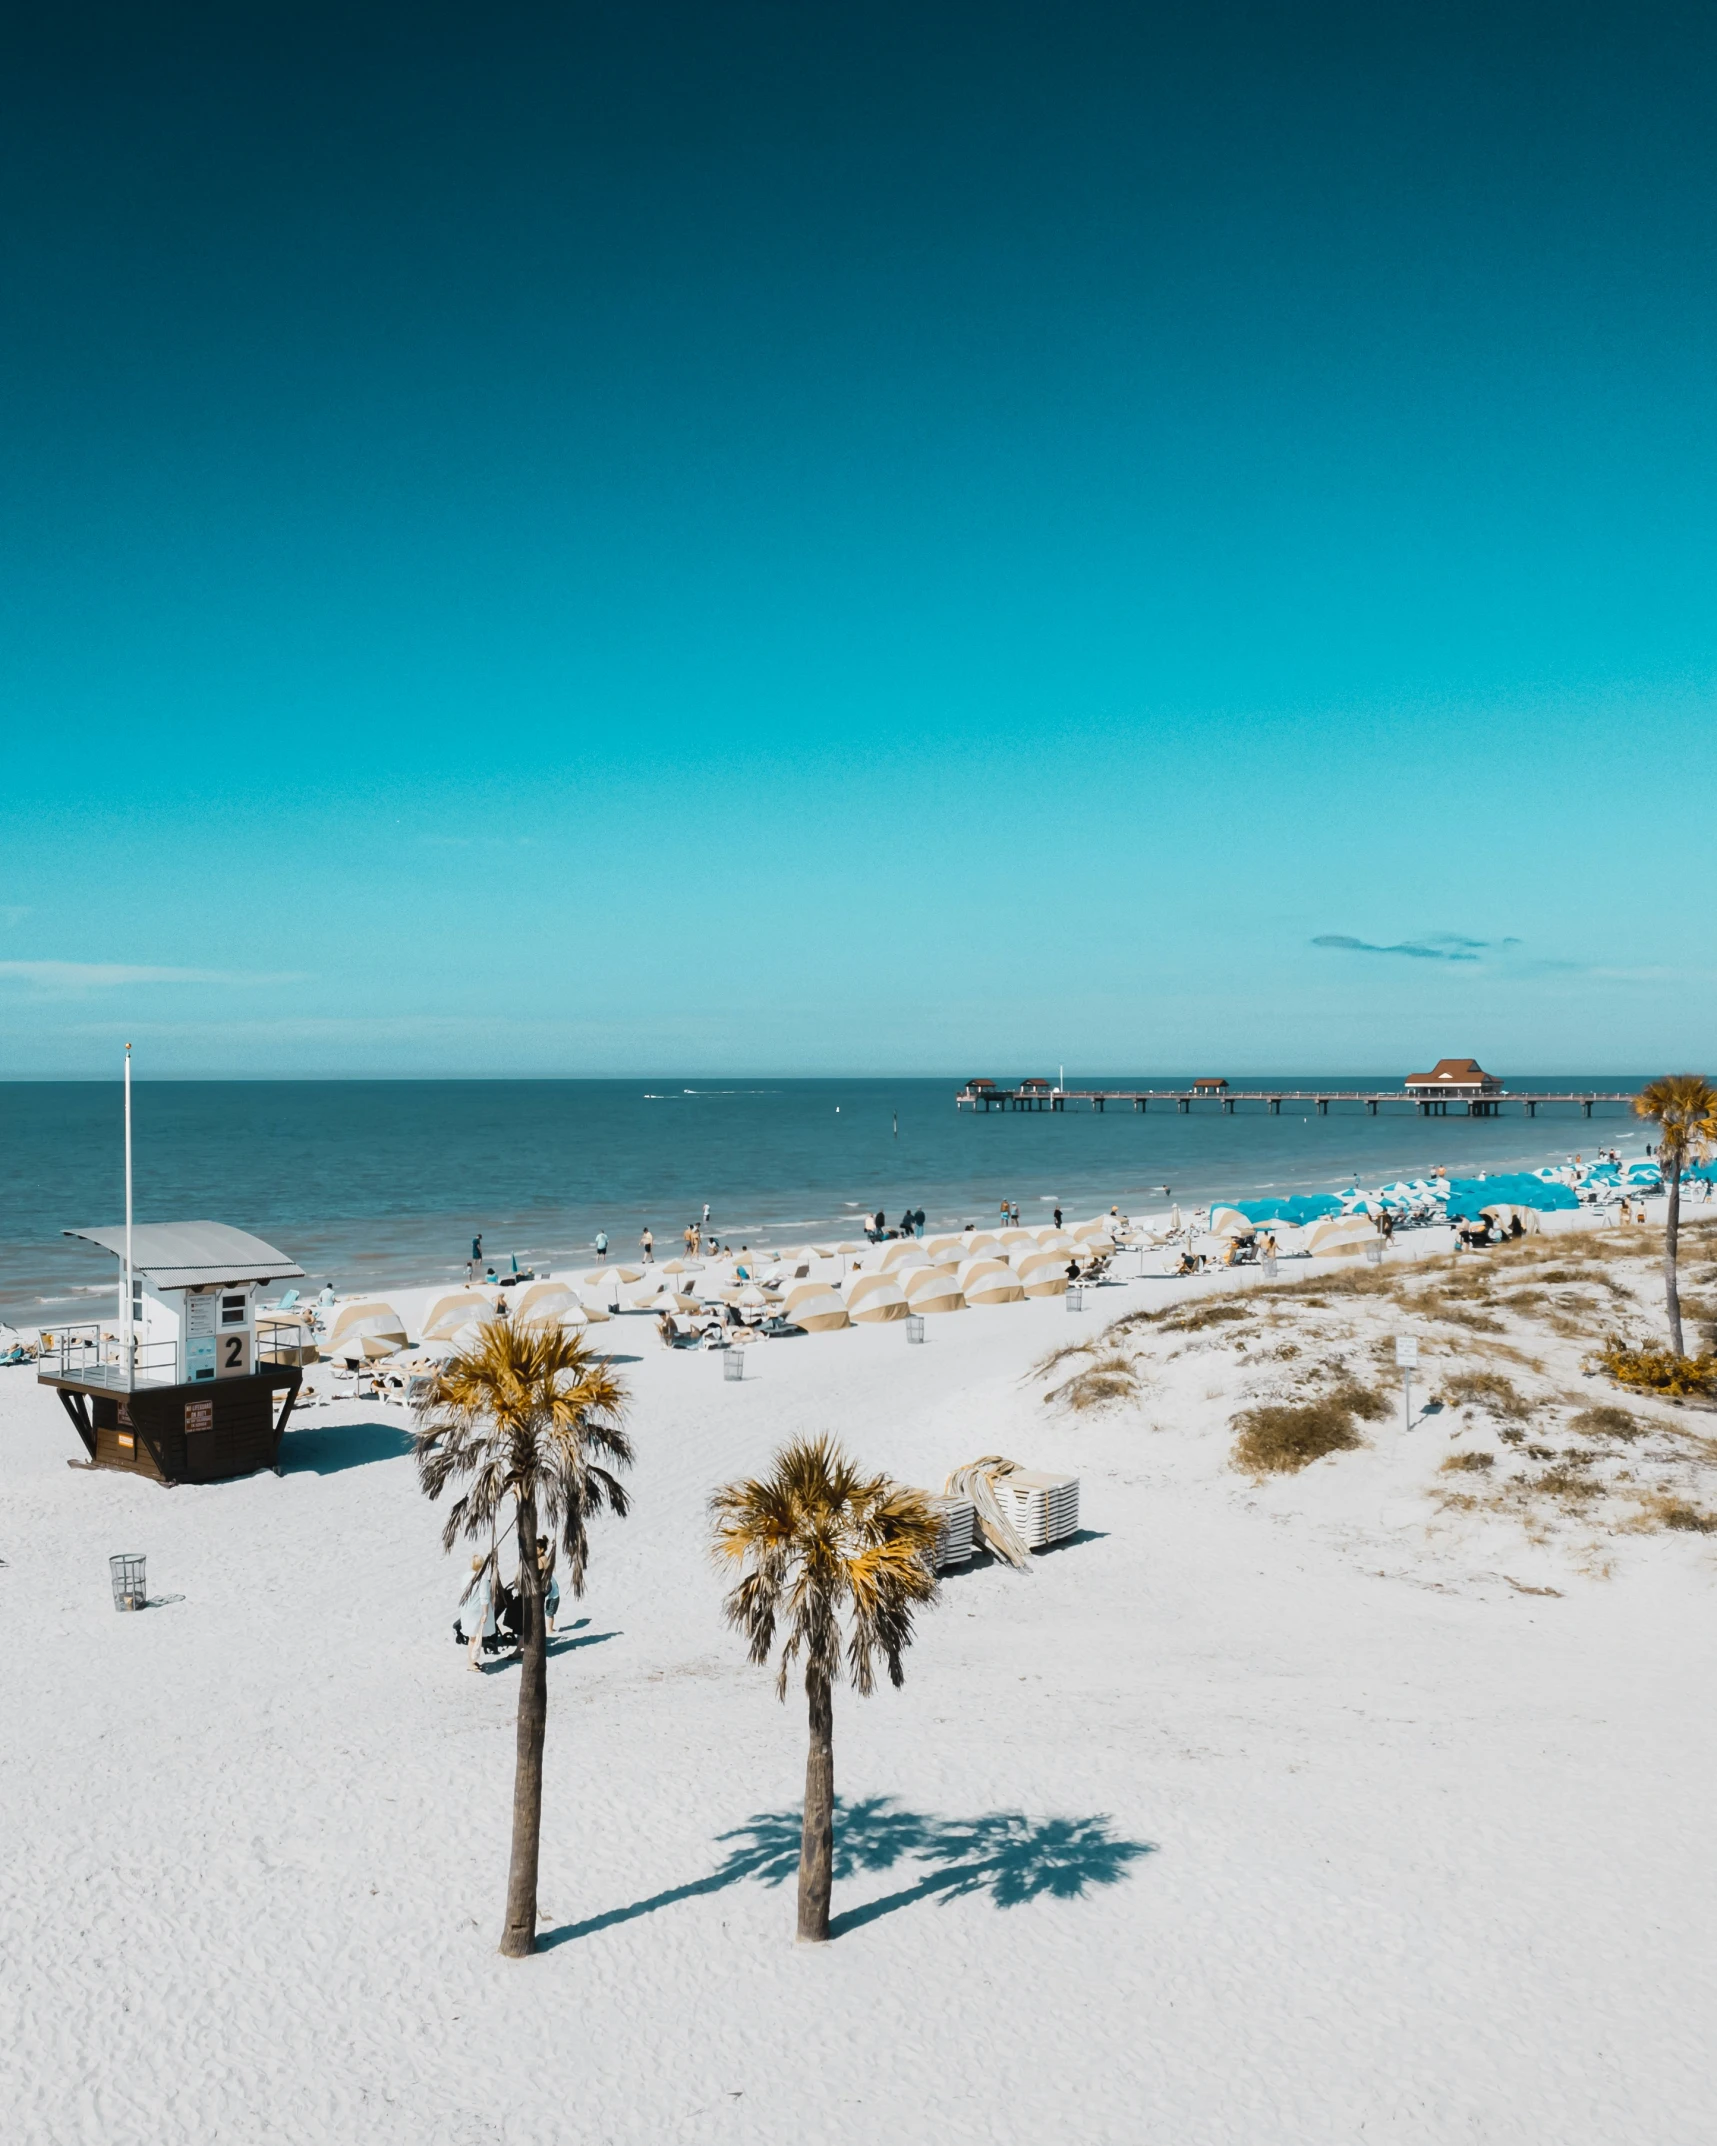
[1035,1095]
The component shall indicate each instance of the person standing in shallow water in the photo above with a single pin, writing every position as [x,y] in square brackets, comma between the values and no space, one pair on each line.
[647,1244]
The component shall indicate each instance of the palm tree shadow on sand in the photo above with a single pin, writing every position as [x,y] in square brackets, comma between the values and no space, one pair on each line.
[1004,1854]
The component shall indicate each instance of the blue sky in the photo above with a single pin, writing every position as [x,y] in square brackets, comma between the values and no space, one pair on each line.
[564,540]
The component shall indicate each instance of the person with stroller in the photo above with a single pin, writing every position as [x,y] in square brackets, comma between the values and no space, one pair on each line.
[476,1619]
[550,1585]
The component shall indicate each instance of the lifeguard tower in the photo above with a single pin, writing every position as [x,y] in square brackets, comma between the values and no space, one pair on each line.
[184,1390]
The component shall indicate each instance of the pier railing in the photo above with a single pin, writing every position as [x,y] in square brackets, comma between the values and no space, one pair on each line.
[1474,1102]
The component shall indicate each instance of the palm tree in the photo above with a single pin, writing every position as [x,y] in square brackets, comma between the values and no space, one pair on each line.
[1683,1106]
[523,1416]
[816,1537]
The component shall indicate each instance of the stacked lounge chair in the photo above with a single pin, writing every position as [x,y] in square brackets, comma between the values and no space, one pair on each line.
[1043,1508]
[957,1537]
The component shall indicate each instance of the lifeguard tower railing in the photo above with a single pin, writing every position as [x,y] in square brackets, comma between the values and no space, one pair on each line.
[89,1355]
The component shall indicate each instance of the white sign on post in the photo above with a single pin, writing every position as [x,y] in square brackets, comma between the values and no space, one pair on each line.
[1406,1352]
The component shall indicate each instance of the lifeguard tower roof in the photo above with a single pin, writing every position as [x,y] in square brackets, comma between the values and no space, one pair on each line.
[194,1255]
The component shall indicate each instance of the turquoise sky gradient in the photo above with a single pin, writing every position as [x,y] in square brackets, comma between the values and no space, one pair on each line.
[590,540]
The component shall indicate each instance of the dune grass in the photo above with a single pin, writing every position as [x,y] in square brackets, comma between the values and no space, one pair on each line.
[1280,1438]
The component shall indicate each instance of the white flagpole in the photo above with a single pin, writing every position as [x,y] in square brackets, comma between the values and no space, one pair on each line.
[130,1330]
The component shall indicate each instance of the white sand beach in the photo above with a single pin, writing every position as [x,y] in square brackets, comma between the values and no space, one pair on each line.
[1244,1816]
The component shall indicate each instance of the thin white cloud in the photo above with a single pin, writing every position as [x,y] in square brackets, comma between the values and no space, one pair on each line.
[58,977]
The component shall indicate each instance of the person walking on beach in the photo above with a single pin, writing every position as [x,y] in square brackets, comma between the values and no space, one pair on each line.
[477,1249]
[602,1244]
[647,1244]
[1058,1218]
[477,1612]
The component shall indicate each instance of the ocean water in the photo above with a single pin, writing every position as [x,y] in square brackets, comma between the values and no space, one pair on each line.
[379,1183]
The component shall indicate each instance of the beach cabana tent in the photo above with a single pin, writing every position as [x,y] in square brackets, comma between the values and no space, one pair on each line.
[450,1312]
[875,1299]
[934,1289]
[998,1285]
[554,1304]
[822,1311]
[973,1270]
[906,1253]
[1044,1276]
[1230,1222]
[937,1246]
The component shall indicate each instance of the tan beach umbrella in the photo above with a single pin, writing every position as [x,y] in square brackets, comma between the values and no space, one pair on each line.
[1001,1286]
[1340,1236]
[848,1251]
[823,1251]
[936,1290]
[1230,1222]
[821,1313]
[875,1298]
[680,1266]
[611,1278]
[449,1312]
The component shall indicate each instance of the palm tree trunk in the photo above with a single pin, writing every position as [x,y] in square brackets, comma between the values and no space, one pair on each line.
[817,1841]
[1671,1295]
[519,1939]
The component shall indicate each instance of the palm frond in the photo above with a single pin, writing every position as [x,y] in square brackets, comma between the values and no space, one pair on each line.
[1684,1106]
[526,1411]
[816,1538]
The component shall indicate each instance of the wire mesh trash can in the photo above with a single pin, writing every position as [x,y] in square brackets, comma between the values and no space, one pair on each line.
[915,1326]
[732,1362]
[1075,1298]
[1374,1253]
[129,1588]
